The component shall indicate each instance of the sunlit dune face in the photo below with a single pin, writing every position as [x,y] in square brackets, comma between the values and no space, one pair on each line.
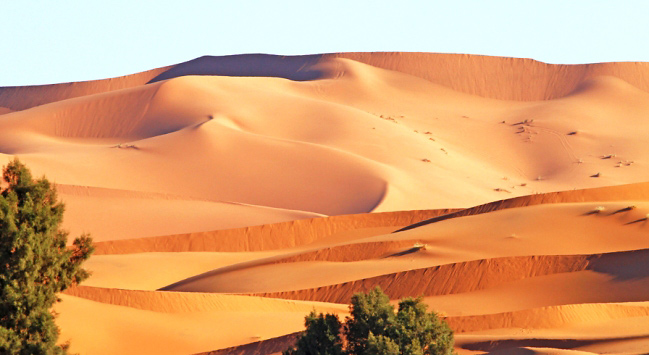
[230,196]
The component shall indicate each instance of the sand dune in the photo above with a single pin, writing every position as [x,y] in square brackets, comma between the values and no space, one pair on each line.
[497,77]
[450,241]
[126,330]
[502,78]
[499,299]
[639,191]
[548,317]
[151,270]
[231,195]
[529,350]
[185,302]
[112,215]
[24,97]
[270,237]
[389,132]
[434,280]
[270,346]
[160,314]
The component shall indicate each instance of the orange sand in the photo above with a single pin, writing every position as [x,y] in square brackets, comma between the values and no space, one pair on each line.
[229,196]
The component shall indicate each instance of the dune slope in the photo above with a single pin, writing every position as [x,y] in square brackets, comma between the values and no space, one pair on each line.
[229,196]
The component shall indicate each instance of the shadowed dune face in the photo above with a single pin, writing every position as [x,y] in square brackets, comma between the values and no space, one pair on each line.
[229,196]
[494,77]
[298,68]
[633,266]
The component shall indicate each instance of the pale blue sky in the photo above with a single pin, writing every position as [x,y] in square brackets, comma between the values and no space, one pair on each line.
[56,41]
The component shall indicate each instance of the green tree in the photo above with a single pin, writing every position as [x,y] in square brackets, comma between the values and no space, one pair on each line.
[418,332]
[322,336]
[35,263]
[369,313]
[381,344]
[373,328]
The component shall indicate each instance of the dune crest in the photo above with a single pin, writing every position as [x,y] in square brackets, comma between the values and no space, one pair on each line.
[229,196]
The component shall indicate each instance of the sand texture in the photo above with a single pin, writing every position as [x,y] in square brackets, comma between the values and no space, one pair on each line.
[230,196]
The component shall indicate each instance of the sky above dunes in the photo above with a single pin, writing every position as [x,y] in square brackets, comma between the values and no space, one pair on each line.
[47,42]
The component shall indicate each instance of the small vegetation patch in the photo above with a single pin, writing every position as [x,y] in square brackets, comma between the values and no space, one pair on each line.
[126,146]
[420,246]
[373,327]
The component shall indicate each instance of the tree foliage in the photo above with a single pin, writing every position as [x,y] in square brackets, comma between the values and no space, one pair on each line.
[370,313]
[373,328]
[35,263]
[322,336]
[419,332]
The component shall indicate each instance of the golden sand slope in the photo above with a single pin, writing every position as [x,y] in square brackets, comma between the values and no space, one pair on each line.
[490,287]
[495,77]
[103,328]
[96,210]
[503,78]
[229,196]
[23,97]
[271,236]
[388,133]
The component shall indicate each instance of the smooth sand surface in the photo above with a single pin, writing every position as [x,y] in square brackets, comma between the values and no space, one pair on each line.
[229,196]
[105,328]
[96,210]
[387,133]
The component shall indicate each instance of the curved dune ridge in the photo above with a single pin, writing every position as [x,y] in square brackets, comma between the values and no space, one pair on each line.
[265,237]
[503,78]
[125,330]
[184,302]
[435,280]
[598,275]
[639,191]
[308,231]
[270,346]
[388,133]
[442,280]
[549,317]
[230,196]
[597,282]
[96,210]
[496,77]
[24,97]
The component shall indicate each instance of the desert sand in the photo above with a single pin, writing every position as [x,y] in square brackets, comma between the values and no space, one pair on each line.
[229,196]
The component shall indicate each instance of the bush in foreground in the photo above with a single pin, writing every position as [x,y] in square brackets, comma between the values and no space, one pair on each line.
[374,328]
[35,263]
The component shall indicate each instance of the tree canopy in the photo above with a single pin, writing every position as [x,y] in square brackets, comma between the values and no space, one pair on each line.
[322,336]
[374,328]
[35,262]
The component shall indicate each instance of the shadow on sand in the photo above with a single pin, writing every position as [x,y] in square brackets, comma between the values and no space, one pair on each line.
[297,68]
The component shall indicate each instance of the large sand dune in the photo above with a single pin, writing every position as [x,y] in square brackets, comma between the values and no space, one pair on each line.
[229,196]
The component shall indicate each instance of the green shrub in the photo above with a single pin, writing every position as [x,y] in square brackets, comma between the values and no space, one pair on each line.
[322,336]
[373,328]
